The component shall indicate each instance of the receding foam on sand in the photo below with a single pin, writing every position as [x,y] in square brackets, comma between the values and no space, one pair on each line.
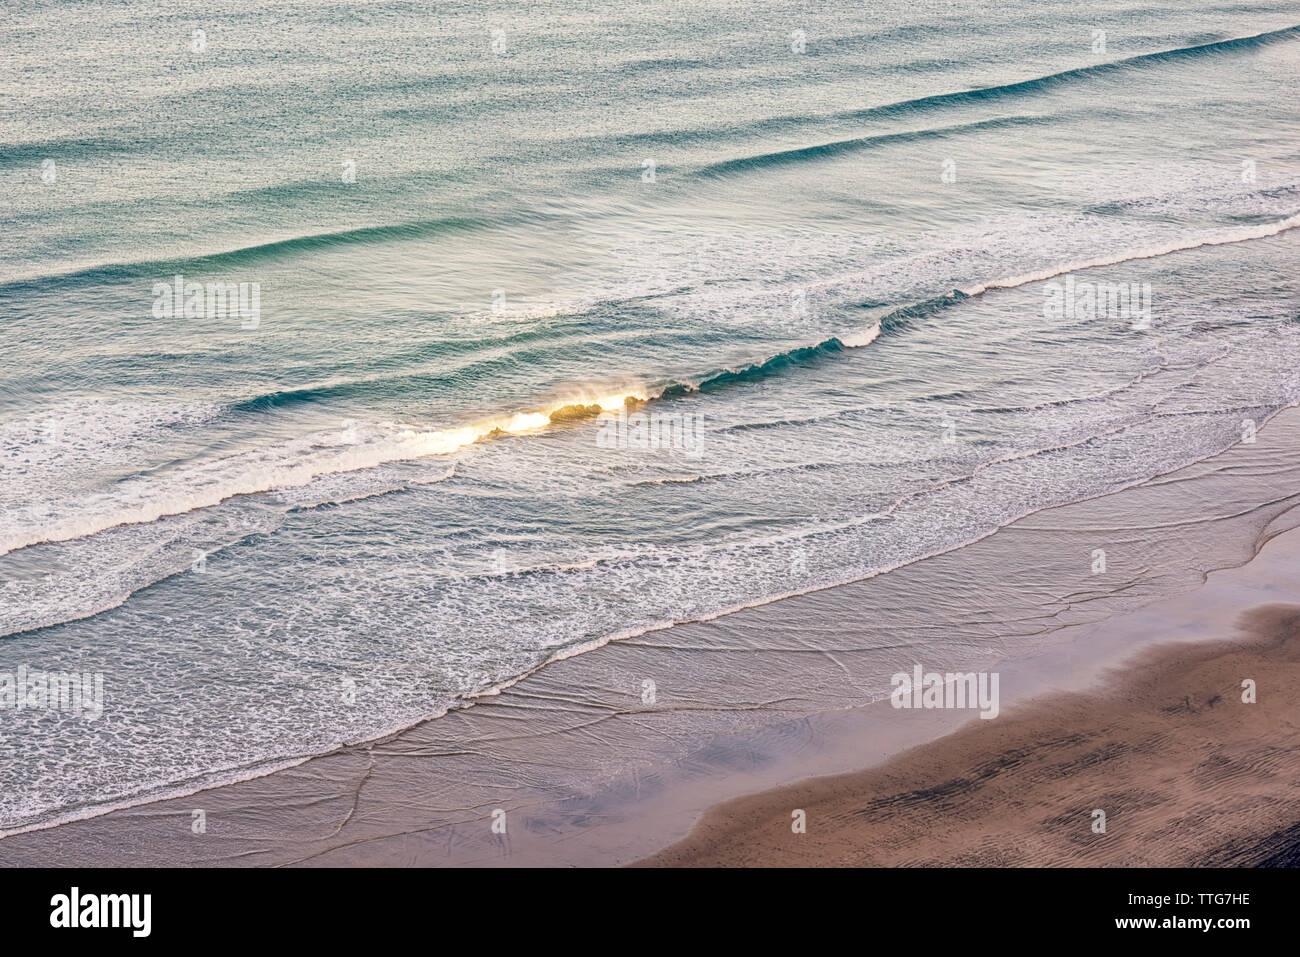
[1120,692]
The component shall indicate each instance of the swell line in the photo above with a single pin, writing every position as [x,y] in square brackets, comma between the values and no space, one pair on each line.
[860,143]
[244,255]
[1050,80]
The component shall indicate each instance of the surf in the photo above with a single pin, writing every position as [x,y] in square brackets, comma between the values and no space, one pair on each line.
[270,469]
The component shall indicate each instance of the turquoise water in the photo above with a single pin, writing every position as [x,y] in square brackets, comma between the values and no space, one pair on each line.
[825,233]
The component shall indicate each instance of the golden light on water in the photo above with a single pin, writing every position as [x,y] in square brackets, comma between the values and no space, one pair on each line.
[525,421]
[582,404]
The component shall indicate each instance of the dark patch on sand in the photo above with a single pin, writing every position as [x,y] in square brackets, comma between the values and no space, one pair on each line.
[1186,772]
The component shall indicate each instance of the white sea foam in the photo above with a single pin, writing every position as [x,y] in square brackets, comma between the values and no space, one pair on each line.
[1238,235]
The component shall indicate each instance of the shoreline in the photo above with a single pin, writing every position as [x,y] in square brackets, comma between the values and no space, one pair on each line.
[589,777]
[1166,756]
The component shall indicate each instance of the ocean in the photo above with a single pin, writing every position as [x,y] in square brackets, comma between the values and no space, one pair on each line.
[359,359]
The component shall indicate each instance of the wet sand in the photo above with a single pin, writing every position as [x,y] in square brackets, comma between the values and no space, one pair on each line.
[1184,770]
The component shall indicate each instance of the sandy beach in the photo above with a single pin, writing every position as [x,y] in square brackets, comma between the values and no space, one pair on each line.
[1186,773]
